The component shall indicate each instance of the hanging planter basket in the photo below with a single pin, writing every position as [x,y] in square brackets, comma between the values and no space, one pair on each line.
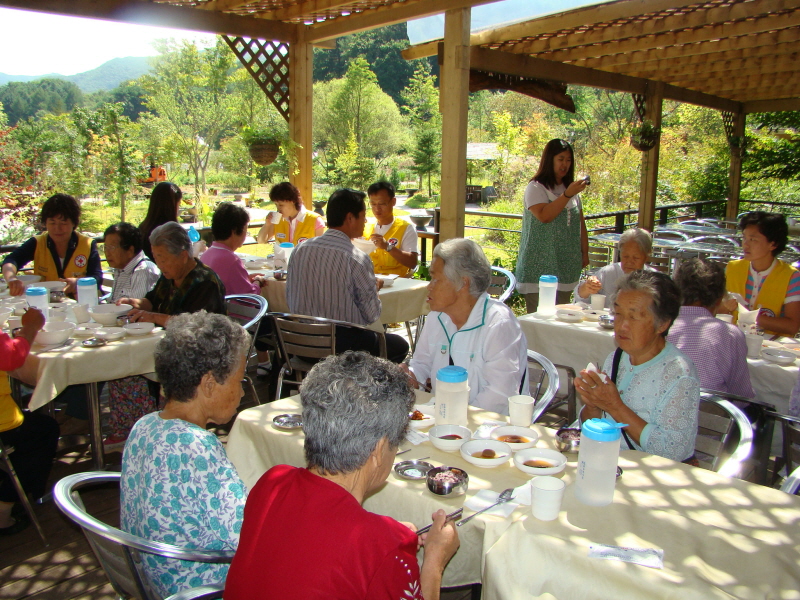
[644,143]
[264,153]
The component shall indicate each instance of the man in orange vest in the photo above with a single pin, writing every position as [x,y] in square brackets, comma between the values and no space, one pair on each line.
[395,239]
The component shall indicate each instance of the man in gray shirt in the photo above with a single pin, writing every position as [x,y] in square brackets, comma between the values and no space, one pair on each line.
[329,277]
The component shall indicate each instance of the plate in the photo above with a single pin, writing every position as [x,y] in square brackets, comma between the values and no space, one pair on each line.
[569,316]
[558,460]
[93,343]
[594,315]
[523,432]
[780,357]
[86,330]
[413,470]
[288,422]
[422,423]
[388,280]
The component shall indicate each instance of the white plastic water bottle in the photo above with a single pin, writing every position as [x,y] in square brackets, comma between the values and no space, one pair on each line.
[452,396]
[548,285]
[87,291]
[597,461]
[38,297]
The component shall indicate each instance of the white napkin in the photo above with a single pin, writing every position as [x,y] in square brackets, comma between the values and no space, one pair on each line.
[416,437]
[484,498]
[484,432]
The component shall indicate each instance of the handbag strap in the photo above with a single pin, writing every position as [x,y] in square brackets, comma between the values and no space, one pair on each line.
[614,370]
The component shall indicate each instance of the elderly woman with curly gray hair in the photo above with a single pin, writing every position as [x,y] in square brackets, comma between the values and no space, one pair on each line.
[305,533]
[468,328]
[177,484]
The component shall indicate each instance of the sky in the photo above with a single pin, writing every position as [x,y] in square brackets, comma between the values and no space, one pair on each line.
[34,43]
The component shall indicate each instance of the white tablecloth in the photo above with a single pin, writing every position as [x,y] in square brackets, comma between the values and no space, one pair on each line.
[722,538]
[254,446]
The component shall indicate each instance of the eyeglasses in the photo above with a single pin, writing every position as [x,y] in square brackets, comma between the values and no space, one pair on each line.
[109,248]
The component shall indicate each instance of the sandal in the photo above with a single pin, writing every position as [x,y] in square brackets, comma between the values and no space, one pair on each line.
[263,369]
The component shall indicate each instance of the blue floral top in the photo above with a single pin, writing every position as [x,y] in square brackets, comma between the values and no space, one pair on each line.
[178,487]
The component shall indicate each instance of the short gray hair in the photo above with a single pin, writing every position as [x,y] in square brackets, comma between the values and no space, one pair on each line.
[640,237]
[351,402]
[172,237]
[700,281]
[196,344]
[665,296]
[464,258]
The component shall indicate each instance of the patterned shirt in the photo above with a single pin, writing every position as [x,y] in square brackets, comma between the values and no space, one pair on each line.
[329,277]
[135,279]
[178,487]
[755,280]
[717,349]
[201,289]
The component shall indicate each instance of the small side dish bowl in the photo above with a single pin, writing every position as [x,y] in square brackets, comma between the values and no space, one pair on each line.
[388,280]
[568,439]
[569,316]
[542,456]
[436,436]
[426,421]
[139,328]
[288,422]
[413,470]
[606,321]
[502,452]
[86,330]
[593,315]
[447,481]
[29,279]
[110,334]
[107,314]
[364,245]
[54,333]
[779,356]
[527,437]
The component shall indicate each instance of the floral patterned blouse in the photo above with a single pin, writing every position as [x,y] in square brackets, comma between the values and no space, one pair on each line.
[201,289]
[665,392]
[178,487]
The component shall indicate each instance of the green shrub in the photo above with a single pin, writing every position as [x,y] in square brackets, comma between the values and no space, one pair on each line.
[420,200]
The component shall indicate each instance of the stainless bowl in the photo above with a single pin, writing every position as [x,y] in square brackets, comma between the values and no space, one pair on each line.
[606,321]
[563,444]
[448,489]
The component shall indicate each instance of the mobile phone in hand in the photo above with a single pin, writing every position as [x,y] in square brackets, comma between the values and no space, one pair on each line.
[587,179]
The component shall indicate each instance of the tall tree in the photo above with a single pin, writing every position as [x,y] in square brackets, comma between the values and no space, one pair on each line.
[426,155]
[24,99]
[421,100]
[775,149]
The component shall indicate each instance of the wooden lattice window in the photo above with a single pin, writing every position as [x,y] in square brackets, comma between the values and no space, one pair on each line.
[268,63]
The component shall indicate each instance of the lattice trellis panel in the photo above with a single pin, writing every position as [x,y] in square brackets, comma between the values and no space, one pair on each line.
[268,63]
[640,104]
[727,120]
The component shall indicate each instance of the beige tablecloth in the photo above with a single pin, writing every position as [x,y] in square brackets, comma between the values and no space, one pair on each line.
[722,538]
[254,446]
[75,364]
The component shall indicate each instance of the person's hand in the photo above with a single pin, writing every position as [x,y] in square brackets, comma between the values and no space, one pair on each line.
[728,305]
[594,284]
[576,187]
[598,391]
[71,285]
[378,241]
[140,316]
[413,528]
[412,379]
[33,320]
[134,302]
[441,541]
[15,287]
[379,284]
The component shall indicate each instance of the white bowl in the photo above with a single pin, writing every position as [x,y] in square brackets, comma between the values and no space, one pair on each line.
[110,334]
[422,423]
[523,432]
[388,280]
[594,315]
[501,449]
[138,328]
[4,314]
[569,316]
[52,285]
[54,333]
[28,279]
[558,460]
[778,356]
[436,433]
[107,314]
[364,245]
[86,330]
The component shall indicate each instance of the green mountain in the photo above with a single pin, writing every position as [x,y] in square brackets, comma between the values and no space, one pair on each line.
[105,77]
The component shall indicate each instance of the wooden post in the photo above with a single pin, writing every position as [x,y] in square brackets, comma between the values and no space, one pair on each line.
[735,176]
[301,56]
[649,182]
[454,92]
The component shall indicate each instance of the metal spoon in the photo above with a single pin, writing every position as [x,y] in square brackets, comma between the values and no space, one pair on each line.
[505,496]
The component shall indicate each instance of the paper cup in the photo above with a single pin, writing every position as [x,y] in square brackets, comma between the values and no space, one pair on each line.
[753,344]
[14,322]
[546,495]
[275,217]
[520,410]
[726,318]
[598,301]
[81,312]
[56,314]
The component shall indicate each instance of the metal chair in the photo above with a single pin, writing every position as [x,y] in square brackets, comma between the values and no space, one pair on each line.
[661,264]
[563,406]
[119,553]
[599,256]
[670,234]
[700,222]
[715,429]
[7,466]
[204,592]
[792,482]
[790,428]
[502,284]
[710,221]
[716,239]
[248,310]
[305,340]
[539,362]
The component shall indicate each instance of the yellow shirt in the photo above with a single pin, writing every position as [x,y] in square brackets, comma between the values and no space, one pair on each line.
[773,290]
[303,231]
[10,414]
[382,261]
[44,265]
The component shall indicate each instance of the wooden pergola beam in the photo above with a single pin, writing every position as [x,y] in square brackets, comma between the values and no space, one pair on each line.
[756,106]
[162,15]
[722,70]
[497,61]
[674,69]
[702,23]
[771,83]
[787,93]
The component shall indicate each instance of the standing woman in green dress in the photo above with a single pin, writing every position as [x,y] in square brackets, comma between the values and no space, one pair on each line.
[554,239]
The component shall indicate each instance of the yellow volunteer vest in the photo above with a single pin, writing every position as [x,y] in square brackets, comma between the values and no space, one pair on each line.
[10,414]
[383,262]
[773,290]
[303,231]
[44,265]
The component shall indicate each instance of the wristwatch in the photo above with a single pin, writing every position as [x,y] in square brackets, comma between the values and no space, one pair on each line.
[391,246]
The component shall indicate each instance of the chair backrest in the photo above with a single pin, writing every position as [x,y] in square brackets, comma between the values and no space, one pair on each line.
[118,552]
[599,256]
[502,285]
[700,222]
[304,336]
[542,366]
[718,420]
[716,239]
[247,310]
[792,482]
[204,592]
[670,234]
[660,263]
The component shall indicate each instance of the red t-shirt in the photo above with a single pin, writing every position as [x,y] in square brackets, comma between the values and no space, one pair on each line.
[306,537]
[12,352]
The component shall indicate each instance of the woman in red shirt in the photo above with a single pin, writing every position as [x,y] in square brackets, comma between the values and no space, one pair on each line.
[305,533]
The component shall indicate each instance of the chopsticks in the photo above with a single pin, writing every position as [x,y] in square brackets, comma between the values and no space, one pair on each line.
[456,514]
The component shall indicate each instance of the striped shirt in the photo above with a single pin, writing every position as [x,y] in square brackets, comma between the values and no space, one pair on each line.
[136,279]
[329,277]
[755,280]
[717,349]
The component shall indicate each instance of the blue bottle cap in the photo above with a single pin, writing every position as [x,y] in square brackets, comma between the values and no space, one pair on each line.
[548,279]
[87,281]
[36,291]
[287,245]
[602,430]
[452,374]
[193,235]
